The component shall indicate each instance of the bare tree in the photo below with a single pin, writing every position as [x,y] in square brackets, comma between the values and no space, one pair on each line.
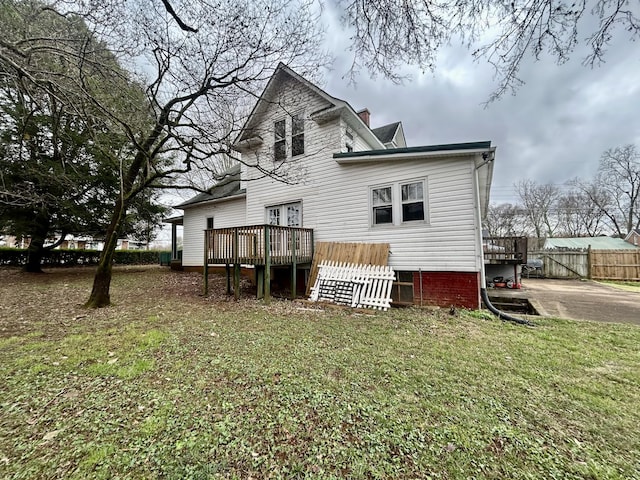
[390,33]
[191,77]
[578,214]
[618,182]
[538,203]
[506,220]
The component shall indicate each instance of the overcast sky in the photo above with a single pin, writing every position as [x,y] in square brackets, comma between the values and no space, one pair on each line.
[554,129]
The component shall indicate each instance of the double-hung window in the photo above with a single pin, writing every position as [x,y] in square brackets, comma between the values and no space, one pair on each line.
[412,201]
[281,134]
[280,140]
[297,135]
[348,143]
[398,203]
[382,205]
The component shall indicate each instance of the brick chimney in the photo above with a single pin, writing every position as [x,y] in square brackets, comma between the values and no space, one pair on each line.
[365,115]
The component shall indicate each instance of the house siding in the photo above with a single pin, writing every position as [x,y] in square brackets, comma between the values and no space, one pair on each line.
[230,213]
[335,198]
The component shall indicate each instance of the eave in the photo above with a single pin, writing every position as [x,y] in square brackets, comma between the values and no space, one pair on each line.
[411,153]
[211,201]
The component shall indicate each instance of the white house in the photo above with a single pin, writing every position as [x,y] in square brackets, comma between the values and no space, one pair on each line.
[310,160]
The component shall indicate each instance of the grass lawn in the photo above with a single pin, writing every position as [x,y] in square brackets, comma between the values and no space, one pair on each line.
[628,286]
[168,384]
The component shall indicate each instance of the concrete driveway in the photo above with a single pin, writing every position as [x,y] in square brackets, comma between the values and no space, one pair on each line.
[581,300]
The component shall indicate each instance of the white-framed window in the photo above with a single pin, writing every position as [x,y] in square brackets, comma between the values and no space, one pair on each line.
[280,140]
[348,142]
[297,135]
[398,203]
[288,133]
[286,214]
[382,202]
[209,223]
[412,201]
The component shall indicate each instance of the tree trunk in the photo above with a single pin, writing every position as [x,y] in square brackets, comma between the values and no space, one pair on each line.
[100,296]
[35,251]
[34,255]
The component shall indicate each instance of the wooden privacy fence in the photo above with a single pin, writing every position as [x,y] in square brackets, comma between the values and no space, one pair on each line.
[361,286]
[594,264]
[615,264]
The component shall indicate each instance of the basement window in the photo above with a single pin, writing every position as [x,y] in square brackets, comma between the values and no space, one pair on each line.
[402,289]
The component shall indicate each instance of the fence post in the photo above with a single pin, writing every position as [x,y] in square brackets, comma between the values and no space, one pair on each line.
[589,263]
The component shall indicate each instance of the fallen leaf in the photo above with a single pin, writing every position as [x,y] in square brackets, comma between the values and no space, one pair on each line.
[51,435]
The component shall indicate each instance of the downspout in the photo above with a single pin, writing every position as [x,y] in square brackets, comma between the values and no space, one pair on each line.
[483,279]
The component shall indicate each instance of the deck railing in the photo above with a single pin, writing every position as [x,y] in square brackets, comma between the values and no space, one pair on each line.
[505,250]
[259,245]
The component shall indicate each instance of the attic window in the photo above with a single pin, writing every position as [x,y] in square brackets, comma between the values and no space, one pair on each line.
[349,141]
[297,135]
[280,142]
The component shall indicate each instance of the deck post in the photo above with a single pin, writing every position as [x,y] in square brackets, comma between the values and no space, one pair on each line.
[294,267]
[312,245]
[259,282]
[205,281]
[267,264]
[174,241]
[227,269]
[236,265]
[236,281]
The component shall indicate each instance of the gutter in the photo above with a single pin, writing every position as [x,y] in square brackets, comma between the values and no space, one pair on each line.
[483,279]
[359,158]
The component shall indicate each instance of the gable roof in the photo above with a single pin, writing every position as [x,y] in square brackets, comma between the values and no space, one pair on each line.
[386,133]
[596,243]
[336,107]
[228,187]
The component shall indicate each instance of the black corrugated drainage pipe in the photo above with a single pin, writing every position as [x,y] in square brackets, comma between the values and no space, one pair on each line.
[499,314]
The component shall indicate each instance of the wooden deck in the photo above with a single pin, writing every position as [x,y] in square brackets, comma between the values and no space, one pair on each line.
[263,246]
[258,245]
[505,250]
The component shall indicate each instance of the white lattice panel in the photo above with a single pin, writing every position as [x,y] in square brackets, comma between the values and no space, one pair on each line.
[362,286]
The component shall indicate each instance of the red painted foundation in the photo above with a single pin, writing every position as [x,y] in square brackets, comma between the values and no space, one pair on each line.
[446,289]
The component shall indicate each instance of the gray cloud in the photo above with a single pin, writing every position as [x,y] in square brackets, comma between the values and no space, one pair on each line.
[554,129]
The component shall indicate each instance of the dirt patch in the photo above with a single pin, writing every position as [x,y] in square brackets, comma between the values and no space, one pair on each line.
[62,292]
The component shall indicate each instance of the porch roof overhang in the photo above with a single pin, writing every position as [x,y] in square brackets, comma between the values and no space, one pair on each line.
[177,220]
[183,206]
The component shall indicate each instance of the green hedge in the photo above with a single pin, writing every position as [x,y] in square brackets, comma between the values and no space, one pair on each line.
[17,257]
